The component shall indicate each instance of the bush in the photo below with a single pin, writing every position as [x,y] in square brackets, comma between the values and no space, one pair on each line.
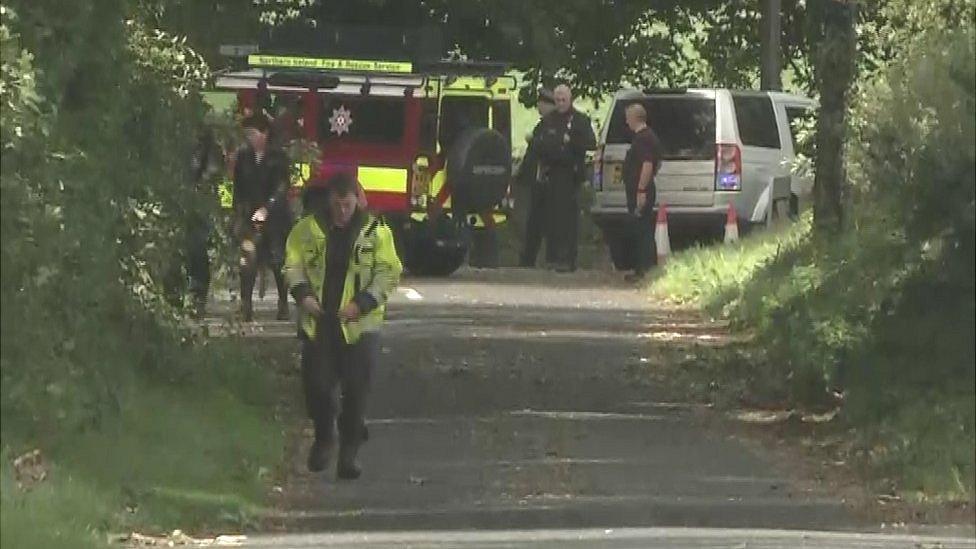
[99,117]
[886,312]
[96,145]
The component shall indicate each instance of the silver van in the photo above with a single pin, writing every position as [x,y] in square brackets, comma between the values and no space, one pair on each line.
[719,146]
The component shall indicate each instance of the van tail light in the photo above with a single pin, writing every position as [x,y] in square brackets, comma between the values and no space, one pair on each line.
[728,167]
[420,182]
[598,168]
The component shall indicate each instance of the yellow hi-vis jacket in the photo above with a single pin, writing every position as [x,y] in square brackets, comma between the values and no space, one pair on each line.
[373,273]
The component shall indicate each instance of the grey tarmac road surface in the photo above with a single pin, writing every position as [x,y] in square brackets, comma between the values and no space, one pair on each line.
[517,407]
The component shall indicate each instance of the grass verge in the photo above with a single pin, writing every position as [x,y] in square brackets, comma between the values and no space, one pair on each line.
[867,325]
[195,456]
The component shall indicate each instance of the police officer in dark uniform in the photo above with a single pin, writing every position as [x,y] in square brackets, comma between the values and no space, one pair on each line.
[262,217]
[206,162]
[528,177]
[194,261]
[562,144]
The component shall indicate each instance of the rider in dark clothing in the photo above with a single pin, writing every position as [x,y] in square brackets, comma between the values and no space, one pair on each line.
[262,216]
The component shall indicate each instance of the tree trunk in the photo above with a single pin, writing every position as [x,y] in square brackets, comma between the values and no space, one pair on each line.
[771,47]
[835,72]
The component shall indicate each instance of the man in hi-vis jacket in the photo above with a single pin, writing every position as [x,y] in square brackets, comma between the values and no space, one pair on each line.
[341,266]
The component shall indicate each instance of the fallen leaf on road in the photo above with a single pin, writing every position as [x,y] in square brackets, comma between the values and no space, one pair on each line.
[820,418]
[411,294]
[178,538]
[888,498]
[30,469]
[763,416]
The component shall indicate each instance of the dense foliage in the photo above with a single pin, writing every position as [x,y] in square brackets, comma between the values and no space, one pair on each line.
[884,312]
[99,118]
[100,113]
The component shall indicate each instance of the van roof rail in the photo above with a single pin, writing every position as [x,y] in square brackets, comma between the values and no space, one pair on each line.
[663,91]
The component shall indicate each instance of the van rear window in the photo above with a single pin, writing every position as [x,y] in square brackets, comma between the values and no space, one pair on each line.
[684,124]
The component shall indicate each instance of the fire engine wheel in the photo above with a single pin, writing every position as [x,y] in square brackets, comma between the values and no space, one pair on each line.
[432,251]
[426,260]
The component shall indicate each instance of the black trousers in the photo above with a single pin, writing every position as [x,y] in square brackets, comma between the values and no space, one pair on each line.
[644,227]
[564,212]
[536,226]
[198,260]
[336,378]
[263,248]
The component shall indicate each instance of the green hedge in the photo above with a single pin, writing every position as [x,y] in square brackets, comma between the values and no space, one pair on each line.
[142,424]
[884,313]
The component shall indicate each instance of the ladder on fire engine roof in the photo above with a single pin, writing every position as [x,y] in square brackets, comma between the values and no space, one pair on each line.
[301,81]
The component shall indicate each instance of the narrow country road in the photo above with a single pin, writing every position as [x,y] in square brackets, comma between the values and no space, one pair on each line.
[519,407]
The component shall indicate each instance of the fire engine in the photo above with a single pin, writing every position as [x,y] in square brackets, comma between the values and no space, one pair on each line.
[429,139]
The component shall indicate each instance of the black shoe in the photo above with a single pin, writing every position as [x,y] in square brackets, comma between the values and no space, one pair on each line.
[347,468]
[318,456]
[283,311]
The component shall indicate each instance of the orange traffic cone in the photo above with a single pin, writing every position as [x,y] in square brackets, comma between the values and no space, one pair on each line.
[661,238]
[731,225]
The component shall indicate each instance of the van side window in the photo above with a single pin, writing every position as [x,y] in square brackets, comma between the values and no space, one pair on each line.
[757,122]
[797,116]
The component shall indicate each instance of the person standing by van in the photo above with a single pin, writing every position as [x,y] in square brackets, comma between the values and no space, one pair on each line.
[641,164]
[562,144]
[528,176]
